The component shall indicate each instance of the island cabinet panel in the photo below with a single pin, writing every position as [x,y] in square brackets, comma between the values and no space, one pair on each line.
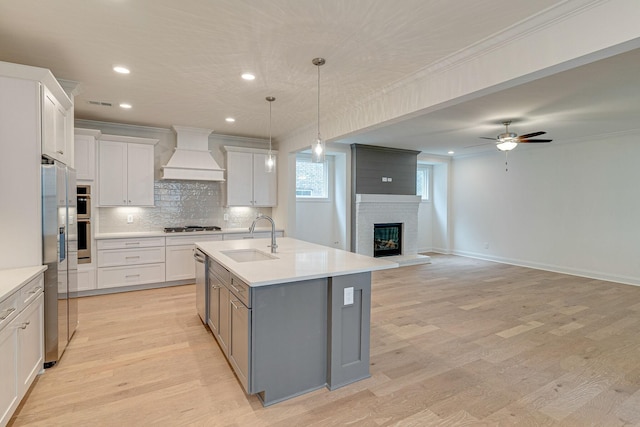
[288,339]
[224,325]
[349,326]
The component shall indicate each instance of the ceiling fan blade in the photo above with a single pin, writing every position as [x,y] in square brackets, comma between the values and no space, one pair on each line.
[529,135]
[535,140]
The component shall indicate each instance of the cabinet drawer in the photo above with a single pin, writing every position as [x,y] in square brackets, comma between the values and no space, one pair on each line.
[115,257]
[240,289]
[9,309]
[30,291]
[222,273]
[146,242]
[255,235]
[110,277]
[187,240]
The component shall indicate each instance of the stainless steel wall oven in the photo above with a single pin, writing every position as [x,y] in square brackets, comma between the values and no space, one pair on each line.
[84,201]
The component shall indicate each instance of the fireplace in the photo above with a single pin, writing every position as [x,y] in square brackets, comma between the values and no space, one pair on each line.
[387,239]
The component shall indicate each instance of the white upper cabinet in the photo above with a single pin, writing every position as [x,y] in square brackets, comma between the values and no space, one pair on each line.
[85,153]
[55,138]
[125,171]
[247,182]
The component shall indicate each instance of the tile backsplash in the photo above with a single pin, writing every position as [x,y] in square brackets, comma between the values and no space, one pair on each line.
[179,203]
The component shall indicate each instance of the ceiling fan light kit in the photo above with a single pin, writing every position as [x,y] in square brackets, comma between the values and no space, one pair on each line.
[507,141]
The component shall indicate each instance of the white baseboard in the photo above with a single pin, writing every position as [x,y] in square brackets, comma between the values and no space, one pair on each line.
[625,280]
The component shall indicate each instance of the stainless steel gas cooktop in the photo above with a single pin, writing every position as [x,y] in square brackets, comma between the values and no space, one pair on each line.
[189,228]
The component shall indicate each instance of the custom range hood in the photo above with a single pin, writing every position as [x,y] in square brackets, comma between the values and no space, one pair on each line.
[192,159]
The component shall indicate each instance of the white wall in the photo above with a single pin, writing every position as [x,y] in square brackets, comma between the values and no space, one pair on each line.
[425,227]
[327,222]
[571,207]
[440,218]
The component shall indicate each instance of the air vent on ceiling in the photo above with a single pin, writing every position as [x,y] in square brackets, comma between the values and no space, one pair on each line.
[100,103]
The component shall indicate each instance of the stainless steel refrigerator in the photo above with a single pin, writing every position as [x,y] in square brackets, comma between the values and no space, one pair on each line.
[60,255]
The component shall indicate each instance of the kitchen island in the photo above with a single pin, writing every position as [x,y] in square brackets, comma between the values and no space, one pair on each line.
[292,321]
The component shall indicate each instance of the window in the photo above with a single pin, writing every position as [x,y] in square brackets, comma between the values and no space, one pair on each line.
[312,179]
[422,182]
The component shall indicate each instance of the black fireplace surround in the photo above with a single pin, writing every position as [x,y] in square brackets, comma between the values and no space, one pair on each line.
[387,239]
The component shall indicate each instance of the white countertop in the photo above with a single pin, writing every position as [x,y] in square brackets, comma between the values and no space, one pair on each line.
[296,260]
[13,278]
[160,233]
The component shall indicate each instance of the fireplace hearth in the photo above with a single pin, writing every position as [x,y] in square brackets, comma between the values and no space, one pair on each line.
[387,239]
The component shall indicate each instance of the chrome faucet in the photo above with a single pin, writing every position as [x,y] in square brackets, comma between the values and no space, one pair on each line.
[273,245]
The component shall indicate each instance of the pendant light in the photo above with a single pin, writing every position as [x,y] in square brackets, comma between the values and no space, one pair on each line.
[270,160]
[318,148]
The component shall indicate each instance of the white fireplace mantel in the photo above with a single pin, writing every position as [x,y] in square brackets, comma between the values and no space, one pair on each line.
[373,209]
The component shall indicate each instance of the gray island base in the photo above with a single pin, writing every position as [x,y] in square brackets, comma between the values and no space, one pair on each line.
[286,337]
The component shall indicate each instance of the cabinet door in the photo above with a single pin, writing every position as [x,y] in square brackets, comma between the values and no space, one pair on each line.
[239,179]
[85,157]
[112,173]
[30,343]
[8,366]
[179,262]
[54,123]
[264,184]
[214,304]
[225,320]
[239,345]
[140,175]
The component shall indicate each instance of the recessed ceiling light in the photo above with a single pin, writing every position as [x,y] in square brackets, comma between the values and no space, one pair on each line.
[248,76]
[230,119]
[451,152]
[125,105]
[120,69]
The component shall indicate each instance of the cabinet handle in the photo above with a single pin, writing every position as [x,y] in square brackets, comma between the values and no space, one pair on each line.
[132,243]
[35,290]
[236,289]
[214,287]
[234,305]
[132,275]
[60,152]
[24,325]
[132,257]
[7,313]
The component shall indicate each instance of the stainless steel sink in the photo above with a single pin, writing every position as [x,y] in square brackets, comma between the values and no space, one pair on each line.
[248,255]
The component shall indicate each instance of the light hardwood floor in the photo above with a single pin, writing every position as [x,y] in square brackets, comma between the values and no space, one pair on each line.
[457,342]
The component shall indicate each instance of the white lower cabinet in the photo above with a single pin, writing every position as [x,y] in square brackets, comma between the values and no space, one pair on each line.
[30,343]
[179,263]
[129,262]
[146,260]
[21,344]
[8,372]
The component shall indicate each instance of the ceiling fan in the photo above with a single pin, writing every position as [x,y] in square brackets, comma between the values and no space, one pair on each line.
[507,141]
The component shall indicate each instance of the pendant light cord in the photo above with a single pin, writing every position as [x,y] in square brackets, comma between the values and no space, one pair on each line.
[319,100]
[269,127]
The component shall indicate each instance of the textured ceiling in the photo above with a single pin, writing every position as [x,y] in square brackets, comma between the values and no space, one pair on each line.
[597,99]
[186,56]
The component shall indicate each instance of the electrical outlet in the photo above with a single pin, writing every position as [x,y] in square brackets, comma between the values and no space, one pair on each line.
[129,219]
[385,179]
[226,217]
[389,179]
[348,296]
